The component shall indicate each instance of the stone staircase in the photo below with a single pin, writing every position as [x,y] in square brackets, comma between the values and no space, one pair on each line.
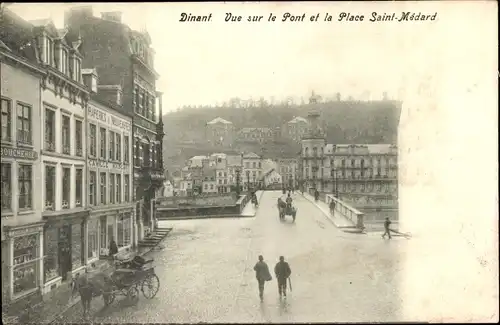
[154,238]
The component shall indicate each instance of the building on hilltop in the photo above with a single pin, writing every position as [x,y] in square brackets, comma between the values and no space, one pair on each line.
[259,135]
[295,129]
[220,132]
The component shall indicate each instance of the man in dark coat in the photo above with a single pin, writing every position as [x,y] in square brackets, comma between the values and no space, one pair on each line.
[282,271]
[387,231]
[113,248]
[84,287]
[262,274]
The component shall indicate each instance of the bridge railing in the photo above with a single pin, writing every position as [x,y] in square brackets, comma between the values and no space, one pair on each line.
[349,212]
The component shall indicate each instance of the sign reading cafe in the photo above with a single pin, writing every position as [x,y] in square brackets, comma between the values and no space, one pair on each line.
[99,115]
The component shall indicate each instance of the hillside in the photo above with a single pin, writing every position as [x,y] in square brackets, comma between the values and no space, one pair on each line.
[344,121]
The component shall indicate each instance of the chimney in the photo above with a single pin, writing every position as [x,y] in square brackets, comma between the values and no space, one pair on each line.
[90,79]
[79,13]
[115,16]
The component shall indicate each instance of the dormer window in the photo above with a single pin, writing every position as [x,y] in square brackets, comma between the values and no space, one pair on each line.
[49,51]
[64,61]
[77,75]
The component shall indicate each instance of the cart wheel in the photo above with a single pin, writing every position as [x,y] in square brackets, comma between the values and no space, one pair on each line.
[133,294]
[150,286]
[108,298]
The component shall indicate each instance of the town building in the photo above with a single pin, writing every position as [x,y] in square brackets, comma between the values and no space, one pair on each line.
[110,175]
[272,179]
[363,175]
[63,173]
[288,169]
[125,57]
[252,171]
[220,131]
[168,188]
[295,129]
[21,142]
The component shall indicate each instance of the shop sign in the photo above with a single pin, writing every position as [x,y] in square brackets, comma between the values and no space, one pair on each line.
[23,231]
[111,120]
[105,164]
[19,153]
[144,123]
[138,132]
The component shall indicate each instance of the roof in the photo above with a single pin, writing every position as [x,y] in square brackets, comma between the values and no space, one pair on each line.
[251,155]
[219,120]
[298,119]
[18,37]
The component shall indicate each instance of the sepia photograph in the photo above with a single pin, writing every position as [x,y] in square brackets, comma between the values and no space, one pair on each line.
[249,162]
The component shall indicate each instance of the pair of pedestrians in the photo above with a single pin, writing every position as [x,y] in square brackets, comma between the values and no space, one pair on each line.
[282,272]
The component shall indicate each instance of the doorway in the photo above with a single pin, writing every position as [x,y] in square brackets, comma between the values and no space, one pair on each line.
[65,250]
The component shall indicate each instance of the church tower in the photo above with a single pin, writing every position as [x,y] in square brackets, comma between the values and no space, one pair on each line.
[313,156]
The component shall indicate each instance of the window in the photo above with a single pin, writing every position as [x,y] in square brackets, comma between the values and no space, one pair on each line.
[50,187]
[66,189]
[66,144]
[92,188]
[25,189]
[78,138]
[76,245]
[126,187]
[102,135]
[25,273]
[123,230]
[93,140]
[24,124]
[64,62]
[118,147]
[50,125]
[6,120]
[6,186]
[118,188]
[111,188]
[49,51]
[78,72]
[137,154]
[125,149]
[136,99]
[153,109]
[51,251]
[103,188]
[79,187]
[141,103]
[111,145]
[103,236]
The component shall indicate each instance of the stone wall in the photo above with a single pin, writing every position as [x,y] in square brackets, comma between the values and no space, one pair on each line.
[206,200]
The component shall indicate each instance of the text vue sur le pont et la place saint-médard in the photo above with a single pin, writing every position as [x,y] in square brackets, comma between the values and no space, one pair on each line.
[342,17]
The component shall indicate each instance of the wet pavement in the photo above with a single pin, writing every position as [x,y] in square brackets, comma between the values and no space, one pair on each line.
[206,272]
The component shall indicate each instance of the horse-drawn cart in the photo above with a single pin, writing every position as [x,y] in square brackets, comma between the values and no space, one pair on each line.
[286,210]
[130,276]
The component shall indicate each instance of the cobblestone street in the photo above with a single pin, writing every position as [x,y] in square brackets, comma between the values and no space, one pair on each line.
[206,272]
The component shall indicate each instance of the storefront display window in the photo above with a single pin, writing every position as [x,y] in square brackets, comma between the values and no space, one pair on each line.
[76,245]
[119,225]
[25,263]
[51,253]
[93,233]
[124,230]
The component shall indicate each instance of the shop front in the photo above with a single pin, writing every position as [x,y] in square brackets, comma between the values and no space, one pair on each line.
[64,247]
[21,261]
[109,224]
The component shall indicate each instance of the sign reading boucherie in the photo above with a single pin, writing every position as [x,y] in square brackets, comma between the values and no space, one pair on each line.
[18,153]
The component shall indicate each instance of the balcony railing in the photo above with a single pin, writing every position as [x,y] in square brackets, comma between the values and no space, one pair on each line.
[66,150]
[65,204]
[79,152]
[49,205]
[24,137]
[78,203]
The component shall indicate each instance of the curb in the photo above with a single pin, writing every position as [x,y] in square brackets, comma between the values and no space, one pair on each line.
[206,217]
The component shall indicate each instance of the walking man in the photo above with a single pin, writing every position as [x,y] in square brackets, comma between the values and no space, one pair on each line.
[282,271]
[84,287]
[387,231]
[262,274]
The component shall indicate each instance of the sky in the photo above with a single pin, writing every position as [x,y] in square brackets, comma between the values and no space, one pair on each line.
[204,63]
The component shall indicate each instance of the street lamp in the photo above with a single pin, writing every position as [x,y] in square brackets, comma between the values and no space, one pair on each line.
[248,180]
[237,182]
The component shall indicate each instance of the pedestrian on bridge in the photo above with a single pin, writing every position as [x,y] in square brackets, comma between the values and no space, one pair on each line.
[282,271]
[387,231]
[262,274]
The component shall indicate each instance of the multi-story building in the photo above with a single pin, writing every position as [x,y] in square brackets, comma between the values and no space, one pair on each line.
[295,129]
[364,175]
[222,174]
[21,142]
[251,176]
[124,57]
[259,135]
[288,170]
[234,168]
[110,175]
[272,179]
[220,131]
[64,98]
